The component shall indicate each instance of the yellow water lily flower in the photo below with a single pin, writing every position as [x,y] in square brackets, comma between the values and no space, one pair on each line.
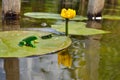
[70,13]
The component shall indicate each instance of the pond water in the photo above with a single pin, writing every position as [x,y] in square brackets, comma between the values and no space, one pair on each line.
[95,57]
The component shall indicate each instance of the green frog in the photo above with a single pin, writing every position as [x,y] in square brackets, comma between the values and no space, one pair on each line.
[29,41]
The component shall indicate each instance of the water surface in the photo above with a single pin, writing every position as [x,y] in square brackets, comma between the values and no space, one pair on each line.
[95,57]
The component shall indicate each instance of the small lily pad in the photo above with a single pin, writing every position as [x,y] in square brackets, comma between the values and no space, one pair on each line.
[111,17]
[9,41]
[42,15]
[78,28]
[117,10]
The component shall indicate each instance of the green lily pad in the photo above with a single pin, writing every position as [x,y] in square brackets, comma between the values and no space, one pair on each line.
[9,41]
[117,10]
[42,15]
[78,28]
[111,17]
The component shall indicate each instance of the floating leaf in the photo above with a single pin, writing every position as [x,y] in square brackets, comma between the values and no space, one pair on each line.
[77,17]
[111,17]
[78,28]
[9,44]
[42,15]
[117,10]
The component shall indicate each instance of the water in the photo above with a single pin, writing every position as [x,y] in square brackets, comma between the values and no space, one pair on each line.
[94,57]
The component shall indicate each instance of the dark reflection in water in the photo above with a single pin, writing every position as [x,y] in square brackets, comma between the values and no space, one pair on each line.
[10,24]
[11,67]
[92,52]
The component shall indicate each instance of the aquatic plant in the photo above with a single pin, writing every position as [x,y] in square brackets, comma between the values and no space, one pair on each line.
[67,14]
[9,41]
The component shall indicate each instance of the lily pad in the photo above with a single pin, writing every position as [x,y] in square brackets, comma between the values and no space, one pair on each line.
[111,17]
[78,28]
[9,44]
[42,15]
[117,10]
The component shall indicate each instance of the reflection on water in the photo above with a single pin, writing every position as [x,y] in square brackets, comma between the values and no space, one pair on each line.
[64,58]
[43,68]
[11,67]
[2,72]
[9,25]
[93,57]
[110,52]
[92,52]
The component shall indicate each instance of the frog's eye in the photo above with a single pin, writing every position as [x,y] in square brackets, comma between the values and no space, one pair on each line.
[22,43]
[36,41]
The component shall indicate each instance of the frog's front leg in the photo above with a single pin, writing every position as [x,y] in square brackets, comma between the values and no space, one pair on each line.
[22,43]
[32,44]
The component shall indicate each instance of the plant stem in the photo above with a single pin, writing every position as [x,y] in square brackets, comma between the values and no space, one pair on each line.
[66,26]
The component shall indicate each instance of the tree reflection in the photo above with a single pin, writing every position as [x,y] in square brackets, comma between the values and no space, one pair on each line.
[8,25]
[85,54]
[78,5]
[92,52]
[11,66]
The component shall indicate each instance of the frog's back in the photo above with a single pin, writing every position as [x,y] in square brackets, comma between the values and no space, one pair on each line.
[30,38]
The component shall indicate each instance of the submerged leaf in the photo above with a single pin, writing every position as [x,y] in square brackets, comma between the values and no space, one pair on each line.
[78,28]
[9,41]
